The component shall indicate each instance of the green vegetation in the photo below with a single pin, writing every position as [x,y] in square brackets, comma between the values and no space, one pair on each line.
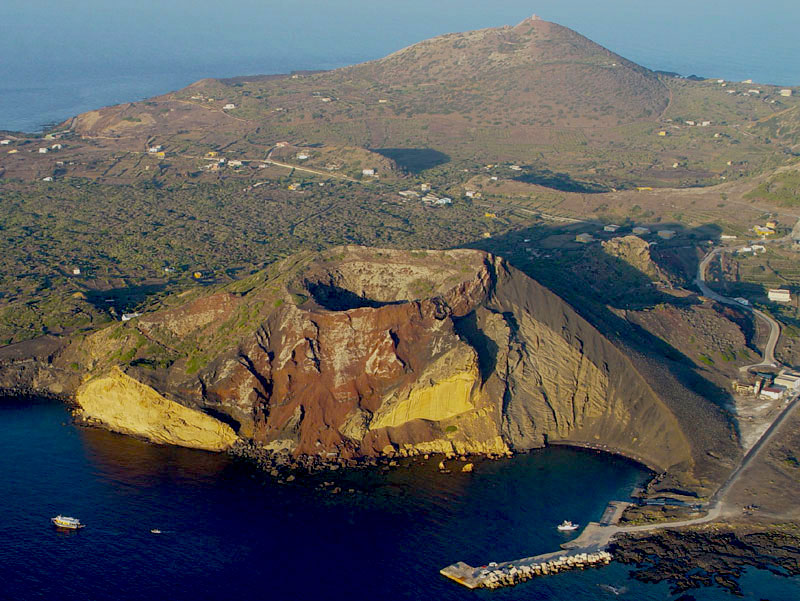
[706,359]
[782,189]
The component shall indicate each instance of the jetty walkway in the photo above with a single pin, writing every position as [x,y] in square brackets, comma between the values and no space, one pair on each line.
[585,551]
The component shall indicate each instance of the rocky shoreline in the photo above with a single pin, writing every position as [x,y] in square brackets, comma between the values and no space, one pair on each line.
[714,555]
[283,465]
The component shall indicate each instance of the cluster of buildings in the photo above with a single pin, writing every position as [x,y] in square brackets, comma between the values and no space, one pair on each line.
[429,196]
[638,230]
[770,386]
[768,229]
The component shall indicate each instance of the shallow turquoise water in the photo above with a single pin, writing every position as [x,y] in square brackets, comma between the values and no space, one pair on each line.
[230,533]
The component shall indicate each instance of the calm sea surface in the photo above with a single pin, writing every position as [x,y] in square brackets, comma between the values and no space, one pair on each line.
[59,58]
[229,533]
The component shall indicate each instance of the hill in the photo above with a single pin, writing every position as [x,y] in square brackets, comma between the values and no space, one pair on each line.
[358,351]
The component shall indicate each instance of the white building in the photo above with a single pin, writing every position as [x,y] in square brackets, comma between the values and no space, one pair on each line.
[5,142]
[302,156]
[367,172]
[155,149]
[772,392]
[788,380]
[742,301]
[779,295]
[666,234]
[610,228]
[129,316]
[229,106]
[786,93]
[584,238]
[641,231]
[43,150]
[235,163]
[47,179]
[425,187]
[76,271]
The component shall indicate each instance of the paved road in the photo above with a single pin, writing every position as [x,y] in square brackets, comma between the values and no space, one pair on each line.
[768,358]
[596,536]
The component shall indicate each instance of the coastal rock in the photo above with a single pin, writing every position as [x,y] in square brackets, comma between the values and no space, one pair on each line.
[362,352]
[124,405]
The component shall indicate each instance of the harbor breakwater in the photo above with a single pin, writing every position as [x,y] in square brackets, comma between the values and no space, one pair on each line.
[510,573]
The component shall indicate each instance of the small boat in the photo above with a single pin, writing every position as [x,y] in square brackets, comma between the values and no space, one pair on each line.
[155,531]
[567,526]
[62,521]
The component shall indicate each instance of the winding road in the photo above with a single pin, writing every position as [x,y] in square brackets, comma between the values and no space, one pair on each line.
[768,358]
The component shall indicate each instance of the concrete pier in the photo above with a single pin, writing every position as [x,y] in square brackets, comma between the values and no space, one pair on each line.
[585,551]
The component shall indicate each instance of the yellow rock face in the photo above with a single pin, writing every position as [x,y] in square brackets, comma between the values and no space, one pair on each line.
[127,406]
[445,390]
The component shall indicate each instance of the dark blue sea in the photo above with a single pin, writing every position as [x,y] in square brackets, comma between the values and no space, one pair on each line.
[231,533]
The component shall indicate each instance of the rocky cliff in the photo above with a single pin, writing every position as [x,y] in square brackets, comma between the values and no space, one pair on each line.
[361,352]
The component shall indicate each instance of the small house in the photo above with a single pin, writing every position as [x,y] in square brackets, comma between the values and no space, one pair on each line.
[771,224]
[76,271]
[129,316]
[43,150]
[610,228]
[5,142]
[197,275]
[444,201]
[235,163]
[754,91]
[779,295]
[469,194]
[229,107]
[212,154]
[384,101]
[47,179]
[302,156]
[57,147]
[705,123]
[155,149]
[772,392]
[786,93]
[640,231]
[742,301]
[370,172]
[584,238]
[662,133]
[515,168]
[666,234]
[425,187]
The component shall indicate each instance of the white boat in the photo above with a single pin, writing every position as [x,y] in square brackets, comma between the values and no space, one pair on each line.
[566,526]
[155,531]
[62,521]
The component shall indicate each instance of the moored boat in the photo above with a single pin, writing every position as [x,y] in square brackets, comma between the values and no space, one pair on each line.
[62,521]
[566,525]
